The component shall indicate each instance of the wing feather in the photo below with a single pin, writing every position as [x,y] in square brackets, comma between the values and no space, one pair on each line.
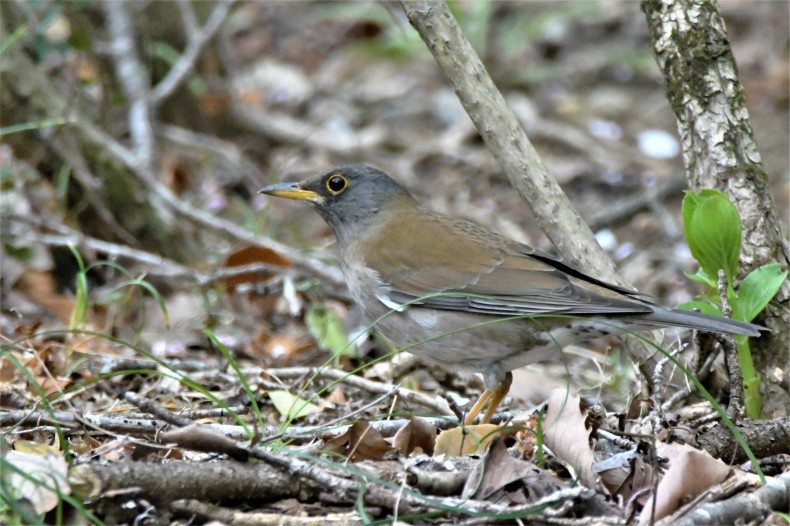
[474,270]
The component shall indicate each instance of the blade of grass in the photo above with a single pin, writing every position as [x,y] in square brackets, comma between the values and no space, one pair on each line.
[239,373]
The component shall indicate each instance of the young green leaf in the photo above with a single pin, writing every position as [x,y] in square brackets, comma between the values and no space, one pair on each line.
[713,231]
[702,306]
[691,202]
[702,277]
[327,329]
[757,289]
[291,406]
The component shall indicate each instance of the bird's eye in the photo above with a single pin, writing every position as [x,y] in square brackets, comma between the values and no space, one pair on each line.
[336,184]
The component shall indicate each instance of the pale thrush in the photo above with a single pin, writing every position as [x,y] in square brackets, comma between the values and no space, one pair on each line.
[463,297]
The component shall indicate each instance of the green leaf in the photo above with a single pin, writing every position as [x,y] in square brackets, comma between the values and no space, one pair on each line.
[713,230]
[327,329]
[291,406]
[702,306]
[757,289]
[702,277]
[691,202]
[24,254]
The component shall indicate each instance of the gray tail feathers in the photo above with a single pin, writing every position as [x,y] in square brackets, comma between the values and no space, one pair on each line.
[702,322]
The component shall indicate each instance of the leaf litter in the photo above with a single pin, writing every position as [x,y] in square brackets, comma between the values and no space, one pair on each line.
[315,88]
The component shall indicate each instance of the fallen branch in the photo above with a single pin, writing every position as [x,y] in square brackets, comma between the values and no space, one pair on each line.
[743,508]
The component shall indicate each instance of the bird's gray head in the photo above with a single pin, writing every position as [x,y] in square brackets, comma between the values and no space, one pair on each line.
[348,197]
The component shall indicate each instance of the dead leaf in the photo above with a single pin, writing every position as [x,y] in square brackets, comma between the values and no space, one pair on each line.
[497,470]
[567,435]
[466,440]
[281,349]
[247,256]
[37,473]
[526,437]
[336,397]
[625,474]
[41,287]
[360,442]
[7,369]
[38,365]
[416,436]
[691,471]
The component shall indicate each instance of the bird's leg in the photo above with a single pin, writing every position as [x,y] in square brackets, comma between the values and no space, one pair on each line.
[497,395]
[492,397]
[479,405]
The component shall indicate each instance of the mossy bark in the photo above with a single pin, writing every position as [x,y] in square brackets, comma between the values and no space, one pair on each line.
[719,151]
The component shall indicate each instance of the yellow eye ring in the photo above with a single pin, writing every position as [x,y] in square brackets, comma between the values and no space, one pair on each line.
[336,183]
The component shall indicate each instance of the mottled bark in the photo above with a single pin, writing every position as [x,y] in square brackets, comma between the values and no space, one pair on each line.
[719,151]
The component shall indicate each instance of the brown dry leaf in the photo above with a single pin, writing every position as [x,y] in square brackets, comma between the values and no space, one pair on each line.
[497,470]
[416,436]
[567,435]
[213,102]
[8,369]
[247,256]
[280,349]
[39,470]
[40,286]
[625,474]
[83,444]
[23,329]
[640,479]
[677,487]
[360,442]
[466,440]
[335,397]
[40,366]
[176,173]
[526,436]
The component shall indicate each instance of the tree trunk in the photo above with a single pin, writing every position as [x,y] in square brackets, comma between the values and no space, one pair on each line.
[719,151]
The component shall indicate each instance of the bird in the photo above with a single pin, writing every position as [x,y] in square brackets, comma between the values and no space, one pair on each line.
[464,297]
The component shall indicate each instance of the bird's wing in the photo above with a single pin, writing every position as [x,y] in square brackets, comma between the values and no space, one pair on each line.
[448,264]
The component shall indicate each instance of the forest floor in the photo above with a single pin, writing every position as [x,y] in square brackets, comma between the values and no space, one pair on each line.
[173,391]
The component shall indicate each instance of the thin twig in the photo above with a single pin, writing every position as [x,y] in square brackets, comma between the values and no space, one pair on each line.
[136,424]
[198,38]
[735,405]
[155,265]
[132,76]
[624,209]
[206,219]
[226,150]
[434,403]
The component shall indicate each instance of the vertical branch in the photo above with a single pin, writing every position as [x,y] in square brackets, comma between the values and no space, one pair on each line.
[133,77]
[691,46]
[506,139]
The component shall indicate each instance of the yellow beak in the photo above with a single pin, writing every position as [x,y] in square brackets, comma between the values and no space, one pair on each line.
[291,191]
